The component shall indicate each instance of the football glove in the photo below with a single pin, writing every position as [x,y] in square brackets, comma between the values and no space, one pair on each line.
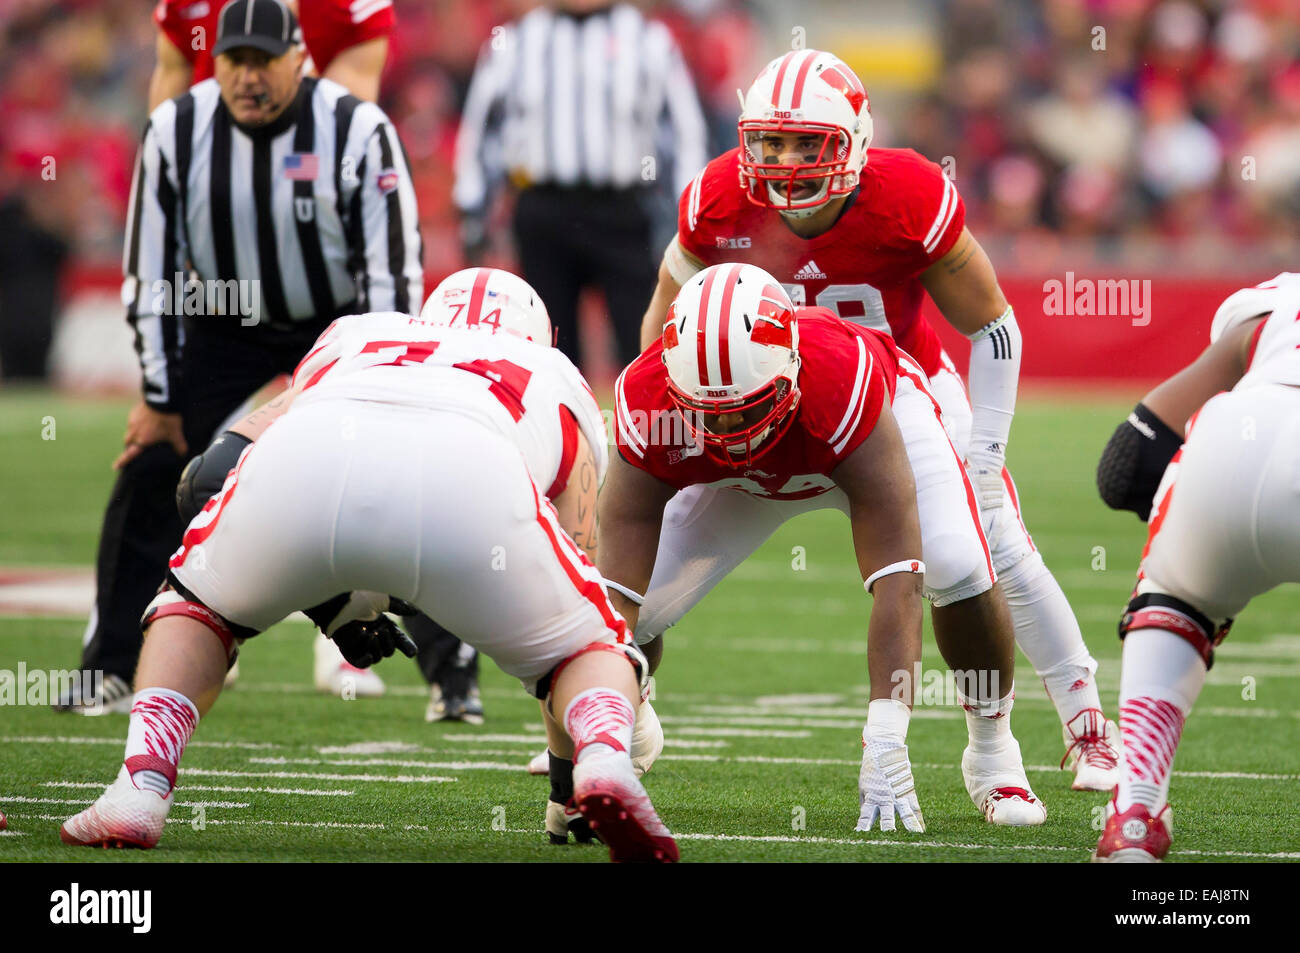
[885,786]
[984,467]
[356,623]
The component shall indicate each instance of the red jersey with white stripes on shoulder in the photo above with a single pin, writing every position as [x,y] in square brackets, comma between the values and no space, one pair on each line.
[328,27]
[905,215]
[529,393]
[847,373]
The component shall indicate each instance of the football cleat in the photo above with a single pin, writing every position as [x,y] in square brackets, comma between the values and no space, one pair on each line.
[647,739]
[565,819]
[1092,750]
[113,698]
[334,676]
[123,816]
[997,785]
[619,811]
[232,676]
[467,707]
[1135,837]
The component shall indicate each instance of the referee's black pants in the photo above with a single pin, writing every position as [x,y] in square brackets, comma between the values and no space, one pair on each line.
[222,365]
[571,238]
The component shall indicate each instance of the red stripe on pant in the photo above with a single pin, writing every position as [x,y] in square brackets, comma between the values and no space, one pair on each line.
[970,492]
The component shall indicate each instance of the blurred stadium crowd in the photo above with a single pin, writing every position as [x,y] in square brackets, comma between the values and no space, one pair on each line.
[1161,133]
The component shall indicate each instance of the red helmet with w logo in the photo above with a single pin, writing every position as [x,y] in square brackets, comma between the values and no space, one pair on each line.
[731,346]
[815,97]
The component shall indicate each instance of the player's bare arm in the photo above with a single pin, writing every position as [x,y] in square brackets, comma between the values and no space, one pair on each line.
[576,504]
[631,512]
[1218,368]
[1135,457]
[878,481]
[359,67]
[255,424]
[964,286]
[675,258]
[171,75]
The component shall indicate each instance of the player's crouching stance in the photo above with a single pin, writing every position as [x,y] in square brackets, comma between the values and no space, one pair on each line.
[1224,528]
[407,463]
[765,412]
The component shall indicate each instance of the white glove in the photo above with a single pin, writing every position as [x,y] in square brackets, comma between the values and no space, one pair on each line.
[885,785]
[985,471]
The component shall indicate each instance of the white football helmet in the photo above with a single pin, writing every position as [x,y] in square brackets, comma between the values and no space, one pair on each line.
[815,96]
[731,346]
[492,299]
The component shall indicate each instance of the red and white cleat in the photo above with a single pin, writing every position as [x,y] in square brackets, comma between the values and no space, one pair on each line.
[1135,837]
[619,811]
[997,785]
[1092,750]
[124,816]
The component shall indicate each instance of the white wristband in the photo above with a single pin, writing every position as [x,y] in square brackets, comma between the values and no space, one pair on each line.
[634,597]
[887,717]
[906,565]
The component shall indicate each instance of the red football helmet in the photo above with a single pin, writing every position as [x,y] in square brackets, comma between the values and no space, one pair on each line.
[816,97]
[731,346]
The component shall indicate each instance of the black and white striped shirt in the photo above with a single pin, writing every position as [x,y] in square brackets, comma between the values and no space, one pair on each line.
[308,218]
[578,100]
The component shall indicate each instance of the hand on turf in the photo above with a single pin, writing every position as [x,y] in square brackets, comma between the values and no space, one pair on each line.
[364,642]
[145,427]
[885,786]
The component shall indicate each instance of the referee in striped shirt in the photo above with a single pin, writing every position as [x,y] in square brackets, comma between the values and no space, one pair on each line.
[582,105]
[264,205]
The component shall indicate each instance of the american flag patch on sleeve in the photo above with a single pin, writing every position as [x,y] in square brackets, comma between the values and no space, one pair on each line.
[301,166]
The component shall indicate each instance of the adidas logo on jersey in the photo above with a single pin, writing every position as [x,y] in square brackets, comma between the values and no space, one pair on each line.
[809,272]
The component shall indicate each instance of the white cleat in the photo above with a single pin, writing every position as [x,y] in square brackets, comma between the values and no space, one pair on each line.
[334,676]
[232,676]
[124,816]
[1092,744]
[997,785]
[1092,750]
[619,811]
[647,739]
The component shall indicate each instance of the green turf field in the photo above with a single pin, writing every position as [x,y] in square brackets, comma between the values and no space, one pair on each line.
[762,695]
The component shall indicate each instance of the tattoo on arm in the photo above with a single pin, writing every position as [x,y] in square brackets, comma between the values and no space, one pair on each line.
[964,253]
[584,533]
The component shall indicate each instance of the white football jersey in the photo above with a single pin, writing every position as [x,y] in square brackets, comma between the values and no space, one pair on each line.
[1276,359]
[516,387]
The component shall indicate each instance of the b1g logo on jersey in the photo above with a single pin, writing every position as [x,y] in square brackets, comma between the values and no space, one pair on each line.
[741,242]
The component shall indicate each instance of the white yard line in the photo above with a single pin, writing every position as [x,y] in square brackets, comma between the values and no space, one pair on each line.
[398,763]
[19,799]
[121,742]
[302,792]
[286,775]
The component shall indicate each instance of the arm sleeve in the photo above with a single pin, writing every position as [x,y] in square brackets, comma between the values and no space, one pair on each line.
[689,207]
[154,255]
[478,167]
[993,378]
[392,251]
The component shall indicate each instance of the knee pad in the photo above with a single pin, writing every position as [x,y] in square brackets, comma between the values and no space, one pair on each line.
[956,568]
[1158,610]
[173,599]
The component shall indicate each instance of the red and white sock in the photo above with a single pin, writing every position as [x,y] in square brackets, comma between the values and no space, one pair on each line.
[162,722]
[988,720]
[1161,679]
[600,722]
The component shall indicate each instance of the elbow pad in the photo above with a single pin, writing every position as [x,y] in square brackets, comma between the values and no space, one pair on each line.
[204,476]
[1134,461]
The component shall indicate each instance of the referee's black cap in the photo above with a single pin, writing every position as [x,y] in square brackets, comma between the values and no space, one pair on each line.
[266,25]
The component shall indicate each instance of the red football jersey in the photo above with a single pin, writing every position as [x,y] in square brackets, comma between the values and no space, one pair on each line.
[847,372]
[905,216]
[328,27]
